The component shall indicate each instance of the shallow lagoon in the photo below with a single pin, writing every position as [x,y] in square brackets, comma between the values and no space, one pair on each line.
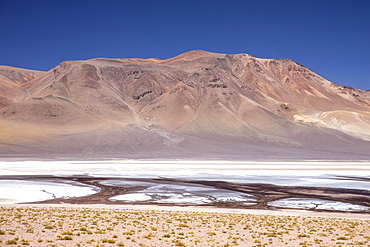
[21,191]
[138,175]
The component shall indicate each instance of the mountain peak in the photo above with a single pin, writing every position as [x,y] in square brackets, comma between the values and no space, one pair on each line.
[197,103]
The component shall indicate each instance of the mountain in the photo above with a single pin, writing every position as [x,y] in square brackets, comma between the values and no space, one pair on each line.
[196,105]
[11,80]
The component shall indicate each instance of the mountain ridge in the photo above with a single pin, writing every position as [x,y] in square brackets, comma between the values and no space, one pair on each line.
[171,105]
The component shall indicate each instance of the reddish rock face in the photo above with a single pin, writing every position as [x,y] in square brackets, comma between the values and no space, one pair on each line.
[195,104]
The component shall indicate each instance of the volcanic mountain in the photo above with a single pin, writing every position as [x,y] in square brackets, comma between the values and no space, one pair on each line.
[196,105]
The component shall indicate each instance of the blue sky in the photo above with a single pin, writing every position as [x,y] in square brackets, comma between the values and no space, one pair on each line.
[330,37]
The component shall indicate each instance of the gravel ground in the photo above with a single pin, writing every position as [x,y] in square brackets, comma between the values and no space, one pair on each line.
[83,225]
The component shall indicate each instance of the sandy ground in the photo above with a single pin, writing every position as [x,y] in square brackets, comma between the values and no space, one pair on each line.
[116,225]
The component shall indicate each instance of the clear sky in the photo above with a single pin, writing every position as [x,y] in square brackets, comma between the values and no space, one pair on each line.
[331,37]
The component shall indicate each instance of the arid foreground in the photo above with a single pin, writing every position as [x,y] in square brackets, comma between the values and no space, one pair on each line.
[92,226]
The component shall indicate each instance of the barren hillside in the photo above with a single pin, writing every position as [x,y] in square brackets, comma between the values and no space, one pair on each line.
[196,105]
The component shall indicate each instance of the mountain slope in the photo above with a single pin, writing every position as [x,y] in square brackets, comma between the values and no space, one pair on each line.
[196,104]
[11,80]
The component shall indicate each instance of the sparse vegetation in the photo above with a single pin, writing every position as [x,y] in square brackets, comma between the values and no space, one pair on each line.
[53,226]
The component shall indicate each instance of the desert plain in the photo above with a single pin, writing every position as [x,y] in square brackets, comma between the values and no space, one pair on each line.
[67,225]
[103,145]
[156,207]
